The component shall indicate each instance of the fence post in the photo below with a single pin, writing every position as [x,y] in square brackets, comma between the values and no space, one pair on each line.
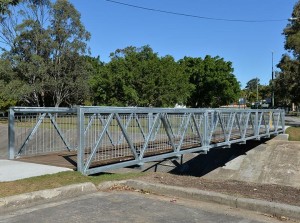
[11,134]
[80,139]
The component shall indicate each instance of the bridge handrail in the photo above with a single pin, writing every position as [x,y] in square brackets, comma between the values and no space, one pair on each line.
[134,135]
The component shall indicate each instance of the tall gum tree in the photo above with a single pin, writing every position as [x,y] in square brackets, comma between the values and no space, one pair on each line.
[68,75]
[45,49]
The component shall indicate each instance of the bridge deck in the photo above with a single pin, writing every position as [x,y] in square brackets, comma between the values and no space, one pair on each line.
[69,159]
[60,159]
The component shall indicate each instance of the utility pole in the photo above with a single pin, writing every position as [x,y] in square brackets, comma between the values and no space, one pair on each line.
[272,82]
[257,92]
[257,89]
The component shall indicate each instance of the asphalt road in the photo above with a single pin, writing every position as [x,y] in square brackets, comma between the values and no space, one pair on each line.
[132,207]
[292,121]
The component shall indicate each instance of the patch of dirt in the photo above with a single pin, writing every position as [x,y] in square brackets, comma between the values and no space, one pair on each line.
[268,192]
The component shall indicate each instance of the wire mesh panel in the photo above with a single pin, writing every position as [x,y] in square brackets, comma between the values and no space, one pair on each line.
[191,131]
[42,131]
[105,137]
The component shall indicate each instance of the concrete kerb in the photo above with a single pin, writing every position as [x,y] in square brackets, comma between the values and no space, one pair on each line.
[281,137]
[43,196]
[106,185]
[272,208]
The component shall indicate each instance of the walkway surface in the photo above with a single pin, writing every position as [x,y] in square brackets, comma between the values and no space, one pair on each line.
[11,170]
[292,121]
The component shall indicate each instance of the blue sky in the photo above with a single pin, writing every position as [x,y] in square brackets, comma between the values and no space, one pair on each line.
[248,46]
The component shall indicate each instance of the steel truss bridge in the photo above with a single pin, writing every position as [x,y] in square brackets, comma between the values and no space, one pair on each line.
[97,139]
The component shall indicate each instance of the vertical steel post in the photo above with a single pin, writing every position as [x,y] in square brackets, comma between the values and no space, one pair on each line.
[205,130]
[282,115]
[80,139]
[256,125]
[11,134]
[150,123]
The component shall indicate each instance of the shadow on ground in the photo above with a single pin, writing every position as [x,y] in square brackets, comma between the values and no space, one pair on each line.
[215,158]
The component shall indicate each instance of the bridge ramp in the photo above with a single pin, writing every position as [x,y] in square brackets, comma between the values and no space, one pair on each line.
[273,162]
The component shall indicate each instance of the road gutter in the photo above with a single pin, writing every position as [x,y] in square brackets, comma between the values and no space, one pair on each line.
[272,208]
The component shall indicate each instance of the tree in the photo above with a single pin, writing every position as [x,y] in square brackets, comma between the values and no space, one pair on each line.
[10,87]
[68,76]
[287,89]
[265,92]
[214,83]
[292,32]
[100,82]
[139,77]
[14,11]
[252,84]
[4,5]
[287,85]
[252,90]
[30,54]
[46,53]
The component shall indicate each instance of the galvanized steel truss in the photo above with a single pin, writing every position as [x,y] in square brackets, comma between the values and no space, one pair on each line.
[113,137]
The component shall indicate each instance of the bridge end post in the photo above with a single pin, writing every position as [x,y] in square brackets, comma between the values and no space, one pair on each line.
[282,115]
[80,140]
[205,130]
[11,134]
[256,129]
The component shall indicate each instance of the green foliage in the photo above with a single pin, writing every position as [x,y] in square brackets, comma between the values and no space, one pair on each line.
[250,91]
[10,87]
[265,91]
[292,32]
[214,83]
[287,82]
[252,84]
[139,77]
[255,92]
[47,55]
[4,5]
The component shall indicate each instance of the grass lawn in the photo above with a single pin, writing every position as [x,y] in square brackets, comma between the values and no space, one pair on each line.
[57,180]
[294,133]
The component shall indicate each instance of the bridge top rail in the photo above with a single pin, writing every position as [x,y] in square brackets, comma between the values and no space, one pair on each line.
[108,109]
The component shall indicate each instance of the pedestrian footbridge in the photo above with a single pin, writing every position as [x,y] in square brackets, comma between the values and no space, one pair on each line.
[97,139]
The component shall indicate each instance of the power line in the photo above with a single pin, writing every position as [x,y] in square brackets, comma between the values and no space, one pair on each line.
[193,16]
